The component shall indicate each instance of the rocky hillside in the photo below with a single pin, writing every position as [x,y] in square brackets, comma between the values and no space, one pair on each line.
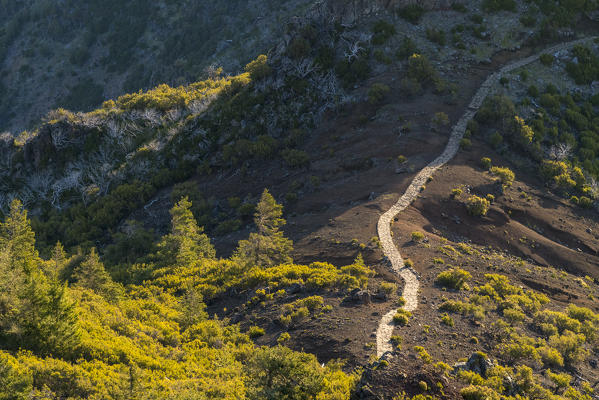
[370,200]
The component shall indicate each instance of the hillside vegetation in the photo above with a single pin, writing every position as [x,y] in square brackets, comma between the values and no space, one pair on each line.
[142,257]
[94,338]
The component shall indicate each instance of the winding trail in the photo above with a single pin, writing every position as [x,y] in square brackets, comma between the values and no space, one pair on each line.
[408,274]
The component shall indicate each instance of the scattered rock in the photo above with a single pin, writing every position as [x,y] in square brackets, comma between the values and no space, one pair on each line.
[359,296]
[294,288]
[477,363]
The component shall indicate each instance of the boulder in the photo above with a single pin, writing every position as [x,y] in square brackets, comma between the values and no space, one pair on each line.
[477,363]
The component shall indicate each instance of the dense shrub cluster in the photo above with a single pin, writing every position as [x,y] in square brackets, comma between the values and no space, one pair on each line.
[94,338]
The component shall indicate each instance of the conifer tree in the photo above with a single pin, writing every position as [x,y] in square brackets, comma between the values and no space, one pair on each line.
[18,240]
[268,246]
[91,274]
[58,261]
[36,311]
[187,241]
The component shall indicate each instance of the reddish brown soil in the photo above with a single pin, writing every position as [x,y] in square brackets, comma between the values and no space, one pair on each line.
[540,228]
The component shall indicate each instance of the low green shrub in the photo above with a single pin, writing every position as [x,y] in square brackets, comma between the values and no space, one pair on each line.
[454,278]
[477,206]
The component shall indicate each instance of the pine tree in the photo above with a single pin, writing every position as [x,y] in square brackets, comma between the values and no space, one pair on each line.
[193,307]
[37,312]
[187,241]
[58,261]
[17,239]
[268,246]
[91,274]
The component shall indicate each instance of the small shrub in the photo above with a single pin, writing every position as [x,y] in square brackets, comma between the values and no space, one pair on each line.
[377,93]
[402,317]
[546,59]
[436,36]
[295,158]
[440,120]
[585,202]
[447,320]
[259,68]
[283,338]
[454,278]
[417,236]
[255,331]
[382,31]
[496,139]
[533,91]
[406,48]
[411,13]
[396,341]
[465,144]
[387,288]
[423,354]
[420,69]
[477,206]
[485,162]
[456,192]
[506,176]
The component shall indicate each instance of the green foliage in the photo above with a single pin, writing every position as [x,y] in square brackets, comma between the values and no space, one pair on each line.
[546,59]
[486,163]
[411,13]
[165,98]
[505,175]
[436,36]
[454,278]
[296,158]
[586,69]
[268,246]
[382,31]
[255,331]
[150,341]
[477,206]
[377,93]
[354,70]
[447,320]
[186,242]
[402,317]
[423,354]
[421,70]
[91,274]
[36,311]
[499,5]
[417,236]
[406,48]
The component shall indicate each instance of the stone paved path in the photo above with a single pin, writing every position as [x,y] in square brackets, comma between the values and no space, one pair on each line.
[409,275]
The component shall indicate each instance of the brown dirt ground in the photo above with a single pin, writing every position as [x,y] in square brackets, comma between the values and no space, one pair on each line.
[538,227]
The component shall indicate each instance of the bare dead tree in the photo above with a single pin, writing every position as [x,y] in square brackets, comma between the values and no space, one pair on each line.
[560,151]
[305,68]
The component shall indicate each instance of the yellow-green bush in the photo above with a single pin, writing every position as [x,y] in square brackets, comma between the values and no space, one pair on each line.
[454,278]
[477,206]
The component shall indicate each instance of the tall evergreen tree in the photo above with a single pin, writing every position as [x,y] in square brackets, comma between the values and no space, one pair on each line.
[91,274]
[18,240]
[268,246]
[35,311]
[187,241]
